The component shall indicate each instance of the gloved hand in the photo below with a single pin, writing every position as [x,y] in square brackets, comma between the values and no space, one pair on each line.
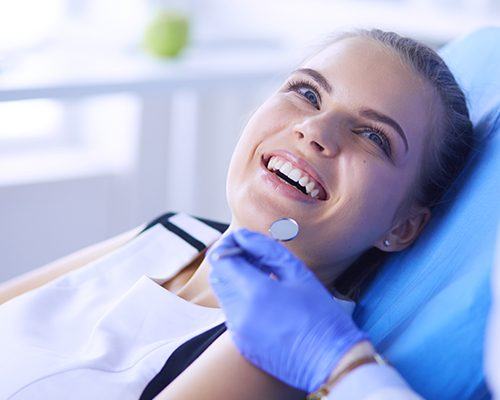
[288,325]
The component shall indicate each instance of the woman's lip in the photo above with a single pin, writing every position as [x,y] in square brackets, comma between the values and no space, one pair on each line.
[303,165]
[284,188]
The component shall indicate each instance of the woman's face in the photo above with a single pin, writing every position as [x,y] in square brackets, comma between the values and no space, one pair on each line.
[354,120]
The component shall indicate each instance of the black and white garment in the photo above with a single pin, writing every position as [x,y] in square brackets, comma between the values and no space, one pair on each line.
[109,329]
[185,354]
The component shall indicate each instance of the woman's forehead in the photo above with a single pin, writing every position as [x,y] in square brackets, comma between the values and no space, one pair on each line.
[364,64]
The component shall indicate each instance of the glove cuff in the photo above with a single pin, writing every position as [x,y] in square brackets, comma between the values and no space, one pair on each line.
[329,360]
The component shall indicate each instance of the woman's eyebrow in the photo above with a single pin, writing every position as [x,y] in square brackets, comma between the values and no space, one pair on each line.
[378,116]
[316,76]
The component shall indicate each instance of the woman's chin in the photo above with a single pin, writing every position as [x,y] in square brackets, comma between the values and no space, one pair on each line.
[261,198]
[257,209]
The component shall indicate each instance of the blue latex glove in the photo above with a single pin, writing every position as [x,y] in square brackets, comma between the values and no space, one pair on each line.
[289,326]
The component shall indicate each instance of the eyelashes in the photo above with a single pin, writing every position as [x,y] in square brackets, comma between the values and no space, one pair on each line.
[382,140]
[296,85]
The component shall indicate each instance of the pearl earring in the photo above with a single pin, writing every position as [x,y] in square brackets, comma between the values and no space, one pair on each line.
[386,243]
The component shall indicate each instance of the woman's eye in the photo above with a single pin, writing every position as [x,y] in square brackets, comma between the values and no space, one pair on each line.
[379,138]
[306,90]
[309,95]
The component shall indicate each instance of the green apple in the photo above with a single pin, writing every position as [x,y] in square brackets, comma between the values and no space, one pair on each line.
[167,34]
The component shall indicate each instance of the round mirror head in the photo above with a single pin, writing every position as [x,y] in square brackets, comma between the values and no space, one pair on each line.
[284,229]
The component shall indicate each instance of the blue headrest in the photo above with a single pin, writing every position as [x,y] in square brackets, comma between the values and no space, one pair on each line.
[427,308]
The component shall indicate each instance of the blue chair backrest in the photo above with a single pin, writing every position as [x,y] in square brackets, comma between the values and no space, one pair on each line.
[427,308]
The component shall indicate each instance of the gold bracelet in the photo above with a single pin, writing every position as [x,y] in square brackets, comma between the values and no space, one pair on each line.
[324,390]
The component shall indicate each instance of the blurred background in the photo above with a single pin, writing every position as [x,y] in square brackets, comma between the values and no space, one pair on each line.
[112,113]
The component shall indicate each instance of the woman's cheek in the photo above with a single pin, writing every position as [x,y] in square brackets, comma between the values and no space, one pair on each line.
[274,116]
[263,126]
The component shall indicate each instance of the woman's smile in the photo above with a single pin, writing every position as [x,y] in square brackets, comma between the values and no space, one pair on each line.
[297,171]
[279,185]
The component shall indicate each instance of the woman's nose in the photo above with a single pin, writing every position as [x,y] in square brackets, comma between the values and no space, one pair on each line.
[321,133]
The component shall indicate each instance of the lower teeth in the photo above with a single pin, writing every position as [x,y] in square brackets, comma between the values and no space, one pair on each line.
[288,180]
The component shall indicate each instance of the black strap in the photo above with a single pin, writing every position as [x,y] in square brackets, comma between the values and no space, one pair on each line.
[200,246]
[180,359]
[159,220]
[220,226]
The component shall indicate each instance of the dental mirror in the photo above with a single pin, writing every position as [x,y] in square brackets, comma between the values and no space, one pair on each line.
[283,230]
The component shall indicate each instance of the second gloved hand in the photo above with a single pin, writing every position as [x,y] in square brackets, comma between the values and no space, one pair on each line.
[288,325]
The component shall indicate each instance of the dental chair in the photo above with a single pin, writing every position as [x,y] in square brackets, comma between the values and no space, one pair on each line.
[427,308]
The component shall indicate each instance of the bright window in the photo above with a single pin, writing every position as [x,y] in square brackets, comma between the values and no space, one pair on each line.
[25,23]
[30,119]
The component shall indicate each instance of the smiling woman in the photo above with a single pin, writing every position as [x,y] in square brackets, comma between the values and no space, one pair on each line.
[357,146]
[380,124]
[385,128]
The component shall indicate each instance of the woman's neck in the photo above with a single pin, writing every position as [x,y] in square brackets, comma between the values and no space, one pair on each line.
[197,289]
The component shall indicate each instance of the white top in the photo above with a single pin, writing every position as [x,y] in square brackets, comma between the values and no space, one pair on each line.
[106,329]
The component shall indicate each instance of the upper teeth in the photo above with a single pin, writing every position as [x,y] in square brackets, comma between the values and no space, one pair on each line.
[295,174]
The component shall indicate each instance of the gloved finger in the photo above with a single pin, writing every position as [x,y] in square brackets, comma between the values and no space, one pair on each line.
[224,243]
[272,254]
[227,243]
[236,271]
[224,291]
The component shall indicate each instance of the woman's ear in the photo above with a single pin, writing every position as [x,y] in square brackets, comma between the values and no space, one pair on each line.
[406,230]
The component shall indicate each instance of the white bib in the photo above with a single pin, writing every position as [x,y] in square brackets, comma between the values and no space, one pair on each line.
[105,330]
